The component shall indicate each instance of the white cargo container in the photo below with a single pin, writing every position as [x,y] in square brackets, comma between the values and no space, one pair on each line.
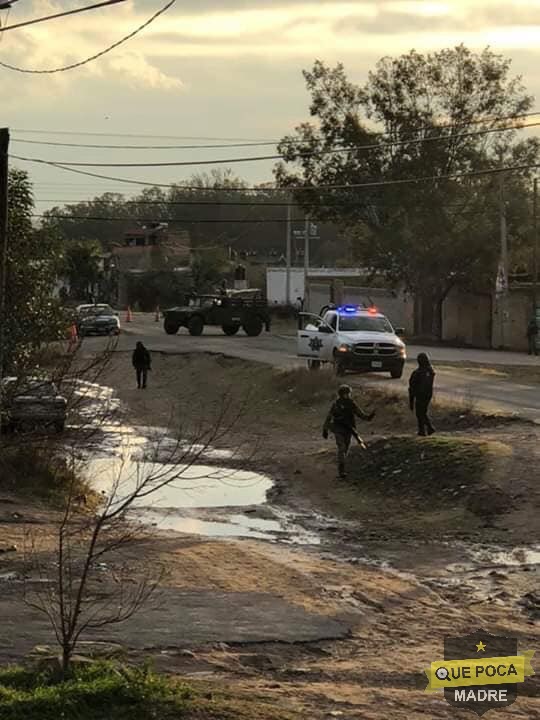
[276,285]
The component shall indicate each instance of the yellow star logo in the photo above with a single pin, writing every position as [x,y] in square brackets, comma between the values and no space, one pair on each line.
[480,647]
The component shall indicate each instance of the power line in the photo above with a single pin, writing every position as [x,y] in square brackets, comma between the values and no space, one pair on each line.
[215,221]
[294,188]
[92,57]
[306,154]
[148,147]
[226,203]
[440,126]
[273,143]
[59,15]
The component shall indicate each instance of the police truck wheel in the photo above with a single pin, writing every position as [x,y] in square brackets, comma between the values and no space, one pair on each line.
[170,327]
[230,329]
[195,326]
[396,373]
[253,327]
[314,364]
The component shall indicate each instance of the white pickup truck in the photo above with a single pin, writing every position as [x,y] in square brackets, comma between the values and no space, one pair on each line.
[352,338]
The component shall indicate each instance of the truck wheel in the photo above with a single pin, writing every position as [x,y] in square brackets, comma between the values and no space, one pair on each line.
[171,327]
[230,329]
[253,327]
[196,325]
[396,373]
[314,364]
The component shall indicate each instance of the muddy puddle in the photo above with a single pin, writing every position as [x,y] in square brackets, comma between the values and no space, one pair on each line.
[201,497]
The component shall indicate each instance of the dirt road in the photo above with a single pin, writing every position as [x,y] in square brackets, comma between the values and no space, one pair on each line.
[488,391]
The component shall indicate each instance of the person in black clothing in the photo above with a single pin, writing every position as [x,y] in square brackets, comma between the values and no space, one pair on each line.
[341,420]
[532,335]
[421,393]
[142,363]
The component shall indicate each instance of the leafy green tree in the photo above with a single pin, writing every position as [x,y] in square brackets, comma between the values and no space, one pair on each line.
[32,315]
[437,113]
[81,266]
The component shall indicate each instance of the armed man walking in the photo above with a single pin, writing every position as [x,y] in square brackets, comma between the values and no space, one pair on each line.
[421,393]
[532,336]
[341,421]
[142,362]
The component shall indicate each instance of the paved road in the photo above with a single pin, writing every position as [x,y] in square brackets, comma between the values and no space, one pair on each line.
[487,392]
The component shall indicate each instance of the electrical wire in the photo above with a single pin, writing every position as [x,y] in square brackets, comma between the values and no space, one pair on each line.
[378,146]
[297,188]
[92,57]
[59,15]
[307,154]
[213,221]
[441,126]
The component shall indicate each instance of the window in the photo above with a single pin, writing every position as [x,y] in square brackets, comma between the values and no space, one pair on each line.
[364,323]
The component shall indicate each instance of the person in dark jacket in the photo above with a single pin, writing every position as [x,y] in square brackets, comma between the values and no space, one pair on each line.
[341,421]
[421,393]
[142,363]
[532,335]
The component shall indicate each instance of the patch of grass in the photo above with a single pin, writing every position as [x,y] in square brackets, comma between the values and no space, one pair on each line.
[40,473]
[108,691]
[424,485]
[100,691]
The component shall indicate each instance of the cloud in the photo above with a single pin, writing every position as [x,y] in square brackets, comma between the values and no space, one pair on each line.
[140,73]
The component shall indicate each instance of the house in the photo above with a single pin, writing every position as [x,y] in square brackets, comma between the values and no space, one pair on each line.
[148,252]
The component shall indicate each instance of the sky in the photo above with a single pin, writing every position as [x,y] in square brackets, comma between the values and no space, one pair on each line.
[224,69]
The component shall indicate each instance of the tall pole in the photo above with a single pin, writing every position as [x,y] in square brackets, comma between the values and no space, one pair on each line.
[306,264]
[4,147]
[535,246]
[504,255]
[288,253]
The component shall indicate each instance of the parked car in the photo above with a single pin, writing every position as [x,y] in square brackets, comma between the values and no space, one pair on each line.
[30,402]
[99,319]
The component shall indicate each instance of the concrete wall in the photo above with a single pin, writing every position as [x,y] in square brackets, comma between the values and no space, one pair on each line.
[510,318]
[466,319]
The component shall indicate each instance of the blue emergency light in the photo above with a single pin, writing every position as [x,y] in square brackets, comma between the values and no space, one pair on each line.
[348,309]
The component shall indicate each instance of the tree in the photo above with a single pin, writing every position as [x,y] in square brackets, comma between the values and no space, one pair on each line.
[81,266]
[437,113]
[73,595]
[32,315]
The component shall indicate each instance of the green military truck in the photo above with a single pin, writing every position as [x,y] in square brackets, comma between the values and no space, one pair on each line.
[246,309]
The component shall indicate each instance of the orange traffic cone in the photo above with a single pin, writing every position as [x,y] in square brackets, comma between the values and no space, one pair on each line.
[156,317]
[129,315]
[73,337]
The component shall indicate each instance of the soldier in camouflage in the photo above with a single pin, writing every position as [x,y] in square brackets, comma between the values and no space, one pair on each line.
[341,421]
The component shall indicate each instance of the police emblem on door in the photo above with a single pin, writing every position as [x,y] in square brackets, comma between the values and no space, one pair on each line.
[315,344]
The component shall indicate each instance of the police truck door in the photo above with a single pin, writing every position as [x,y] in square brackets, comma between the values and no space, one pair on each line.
[313,337]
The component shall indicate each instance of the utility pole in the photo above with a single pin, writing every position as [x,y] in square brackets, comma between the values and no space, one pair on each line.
[535,246]
[504,257]
[4,147]
[288,253]
[306,264]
